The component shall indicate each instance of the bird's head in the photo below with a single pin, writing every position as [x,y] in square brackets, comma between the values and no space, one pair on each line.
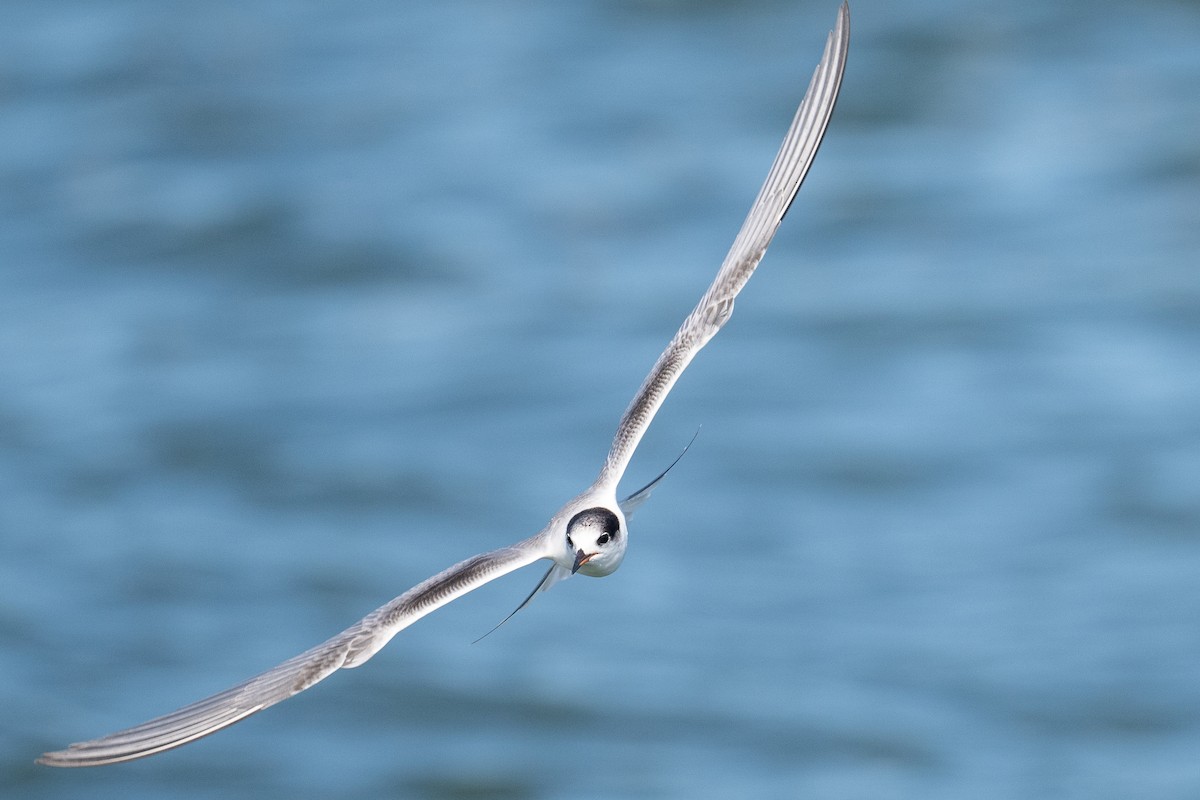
[595,541]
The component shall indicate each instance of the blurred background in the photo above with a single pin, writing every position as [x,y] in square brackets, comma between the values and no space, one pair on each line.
[300,305]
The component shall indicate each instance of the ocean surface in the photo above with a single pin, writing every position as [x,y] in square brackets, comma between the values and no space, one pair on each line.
[300,304]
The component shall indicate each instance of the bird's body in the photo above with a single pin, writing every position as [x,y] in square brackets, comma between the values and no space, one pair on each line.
[588,534]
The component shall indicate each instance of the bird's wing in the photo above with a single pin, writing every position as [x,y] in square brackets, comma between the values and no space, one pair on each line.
[350,648]
[783,181]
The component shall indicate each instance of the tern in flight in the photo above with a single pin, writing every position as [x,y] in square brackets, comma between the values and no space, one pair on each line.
[588,535]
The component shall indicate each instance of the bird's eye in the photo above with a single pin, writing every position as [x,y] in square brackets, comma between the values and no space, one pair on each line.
[569,542]
[603,539]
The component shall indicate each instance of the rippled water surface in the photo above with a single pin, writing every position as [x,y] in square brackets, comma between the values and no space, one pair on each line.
[299,306]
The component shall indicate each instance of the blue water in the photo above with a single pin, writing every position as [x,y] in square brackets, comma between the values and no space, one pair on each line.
[299,306]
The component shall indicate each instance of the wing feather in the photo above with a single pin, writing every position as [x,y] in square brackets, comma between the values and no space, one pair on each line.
[350,648]
[774,198]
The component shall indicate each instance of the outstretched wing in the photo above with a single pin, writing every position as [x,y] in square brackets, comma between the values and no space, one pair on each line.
[350,648]
[783,181]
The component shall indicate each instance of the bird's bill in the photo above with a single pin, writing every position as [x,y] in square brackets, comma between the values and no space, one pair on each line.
[581,558]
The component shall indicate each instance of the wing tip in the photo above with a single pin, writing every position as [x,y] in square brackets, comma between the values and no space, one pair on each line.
[112,749]
[73,756]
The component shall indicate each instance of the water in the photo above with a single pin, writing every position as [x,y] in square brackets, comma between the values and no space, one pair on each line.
[299,306]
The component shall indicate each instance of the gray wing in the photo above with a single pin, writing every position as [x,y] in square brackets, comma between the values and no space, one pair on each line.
[350,648]
[783,181]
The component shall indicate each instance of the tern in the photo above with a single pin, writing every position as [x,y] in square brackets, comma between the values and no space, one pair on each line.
[588,535]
